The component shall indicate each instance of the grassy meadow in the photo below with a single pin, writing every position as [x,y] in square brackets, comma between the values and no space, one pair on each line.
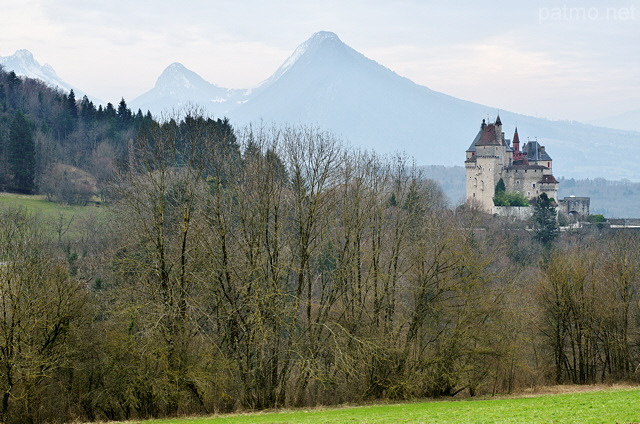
[61,219]
[597,406]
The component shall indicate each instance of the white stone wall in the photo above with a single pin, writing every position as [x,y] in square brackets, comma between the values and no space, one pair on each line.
[516,212]
[527,182]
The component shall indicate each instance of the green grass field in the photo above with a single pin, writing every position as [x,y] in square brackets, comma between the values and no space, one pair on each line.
[602,406]
[54,214]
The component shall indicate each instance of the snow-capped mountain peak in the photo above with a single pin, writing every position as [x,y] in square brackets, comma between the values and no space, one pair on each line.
[23,54]
[24,64]
[177,76]
[322,39]
[314,42]
[177,87]
[328,84]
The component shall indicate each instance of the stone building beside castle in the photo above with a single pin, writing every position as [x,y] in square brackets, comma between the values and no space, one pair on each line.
[491,157]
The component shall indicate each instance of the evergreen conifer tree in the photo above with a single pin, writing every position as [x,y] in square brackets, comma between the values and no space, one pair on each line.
[500,187]
[124,113]
[21,151]
[87,109]
[72,105]
[110,111]
[545,224]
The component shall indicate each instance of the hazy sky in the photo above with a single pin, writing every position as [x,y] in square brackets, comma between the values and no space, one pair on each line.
[556,59]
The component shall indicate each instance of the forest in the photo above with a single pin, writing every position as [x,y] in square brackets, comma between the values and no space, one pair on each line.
[265,267]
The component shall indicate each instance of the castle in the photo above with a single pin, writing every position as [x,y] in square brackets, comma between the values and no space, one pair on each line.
[491,157]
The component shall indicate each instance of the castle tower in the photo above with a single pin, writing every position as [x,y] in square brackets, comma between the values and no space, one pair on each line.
[486,157]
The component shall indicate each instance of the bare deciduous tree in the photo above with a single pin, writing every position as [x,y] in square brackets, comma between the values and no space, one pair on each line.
[39,302]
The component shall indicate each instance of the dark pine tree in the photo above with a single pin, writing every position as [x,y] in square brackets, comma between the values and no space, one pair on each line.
[110,111]
[72,106]
[21,151]
[500,187]
[545,225]
[3,98]
[87,109]
[12,89]
[124,114]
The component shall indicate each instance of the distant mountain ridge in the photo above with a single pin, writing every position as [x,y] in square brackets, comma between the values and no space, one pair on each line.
[625,121]
[24,64]
[328,84]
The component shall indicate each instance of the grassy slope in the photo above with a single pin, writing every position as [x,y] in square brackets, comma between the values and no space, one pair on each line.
[53,213]
[603,406]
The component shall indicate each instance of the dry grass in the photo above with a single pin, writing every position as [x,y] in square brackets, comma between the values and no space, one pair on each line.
[572,388]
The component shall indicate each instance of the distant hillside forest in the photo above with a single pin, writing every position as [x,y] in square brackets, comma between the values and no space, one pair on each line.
[613,199]
[275,267]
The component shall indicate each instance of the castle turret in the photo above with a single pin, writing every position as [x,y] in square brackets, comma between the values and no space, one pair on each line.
[518,155]
[486,157]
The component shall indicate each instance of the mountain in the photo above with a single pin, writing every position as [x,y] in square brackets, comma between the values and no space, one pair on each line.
[328,84]
[625,121]
[24,64]
[177,87]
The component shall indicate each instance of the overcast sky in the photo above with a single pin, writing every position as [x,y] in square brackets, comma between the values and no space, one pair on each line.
[577,60]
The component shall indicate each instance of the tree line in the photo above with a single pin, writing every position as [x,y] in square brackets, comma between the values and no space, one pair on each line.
[268,267]
[276,267]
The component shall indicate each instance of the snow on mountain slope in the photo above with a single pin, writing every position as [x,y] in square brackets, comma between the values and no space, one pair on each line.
[328,84]
[24,64]
[178,87]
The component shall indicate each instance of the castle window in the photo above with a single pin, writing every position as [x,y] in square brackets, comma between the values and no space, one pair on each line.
[528,194]
[534,185]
